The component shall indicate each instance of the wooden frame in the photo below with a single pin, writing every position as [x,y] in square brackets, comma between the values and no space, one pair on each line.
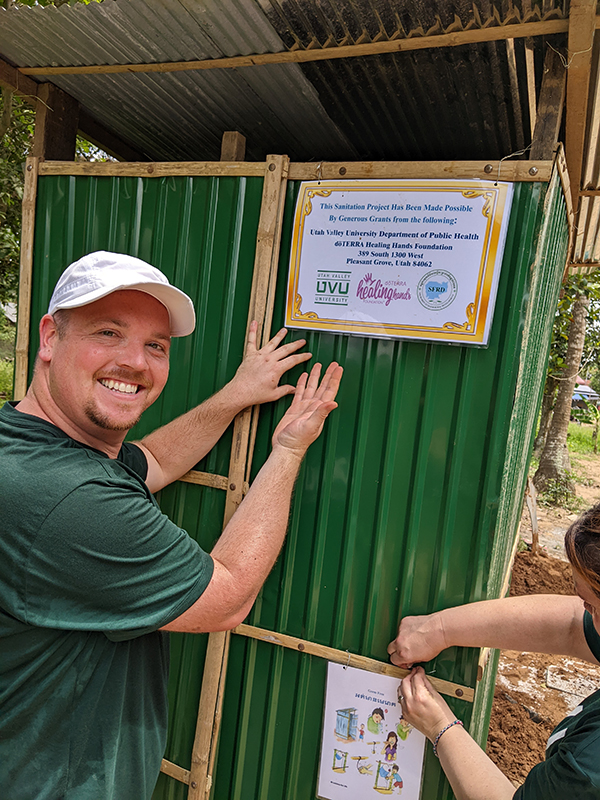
[276,171]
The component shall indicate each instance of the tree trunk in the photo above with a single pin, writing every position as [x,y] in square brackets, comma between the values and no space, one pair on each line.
[554,461]
[546,414]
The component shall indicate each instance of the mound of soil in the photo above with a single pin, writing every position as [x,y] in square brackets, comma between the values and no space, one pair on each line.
[517,741]
[540,574]
[525,709]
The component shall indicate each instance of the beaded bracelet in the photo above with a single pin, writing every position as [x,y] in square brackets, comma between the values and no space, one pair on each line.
[439,736]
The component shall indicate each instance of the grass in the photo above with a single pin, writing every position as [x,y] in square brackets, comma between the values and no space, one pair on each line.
[7,364]
[579,439]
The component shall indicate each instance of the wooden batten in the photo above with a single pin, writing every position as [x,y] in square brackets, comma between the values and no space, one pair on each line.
[25,273]
[154,169]
[516,171]
[408,44]
[174,771]
[349,659]
[215,666]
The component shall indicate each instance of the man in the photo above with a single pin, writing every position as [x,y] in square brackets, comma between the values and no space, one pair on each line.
[91,572]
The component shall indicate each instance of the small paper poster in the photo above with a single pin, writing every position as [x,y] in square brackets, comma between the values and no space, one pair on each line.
[402,259]
[368,750]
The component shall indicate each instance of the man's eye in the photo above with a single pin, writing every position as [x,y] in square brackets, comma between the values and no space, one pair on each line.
[156,346]
[107,333]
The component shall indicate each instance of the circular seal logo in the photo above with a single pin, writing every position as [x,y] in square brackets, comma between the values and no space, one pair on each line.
[437,289]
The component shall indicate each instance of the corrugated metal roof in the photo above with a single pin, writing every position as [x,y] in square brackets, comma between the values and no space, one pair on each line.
[449,104]
[177,116]
[463,102]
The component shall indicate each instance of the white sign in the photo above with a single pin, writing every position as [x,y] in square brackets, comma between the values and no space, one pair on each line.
[398,259]
[367,749]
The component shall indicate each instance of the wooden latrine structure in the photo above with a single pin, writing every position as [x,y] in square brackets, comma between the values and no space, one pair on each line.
[408,503]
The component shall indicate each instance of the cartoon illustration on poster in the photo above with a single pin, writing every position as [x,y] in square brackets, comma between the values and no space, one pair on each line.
[368,749]
[398,259]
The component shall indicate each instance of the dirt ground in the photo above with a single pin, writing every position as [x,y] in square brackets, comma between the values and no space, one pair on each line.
[534,692]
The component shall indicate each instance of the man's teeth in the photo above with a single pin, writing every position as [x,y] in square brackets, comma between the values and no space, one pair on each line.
[127,388]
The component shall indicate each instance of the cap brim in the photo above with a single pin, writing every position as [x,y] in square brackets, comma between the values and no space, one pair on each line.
[181,309]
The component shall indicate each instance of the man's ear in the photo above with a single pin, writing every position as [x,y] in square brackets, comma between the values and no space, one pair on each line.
[48,337]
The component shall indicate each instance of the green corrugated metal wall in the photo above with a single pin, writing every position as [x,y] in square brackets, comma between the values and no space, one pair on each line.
[397,504]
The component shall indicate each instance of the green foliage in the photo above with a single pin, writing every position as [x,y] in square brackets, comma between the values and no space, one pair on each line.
[15,146]
[558,493]
[14,149]
[6,381]
[7,345]
[575,287]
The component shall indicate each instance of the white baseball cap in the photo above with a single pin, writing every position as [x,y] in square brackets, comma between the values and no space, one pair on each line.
[98,274]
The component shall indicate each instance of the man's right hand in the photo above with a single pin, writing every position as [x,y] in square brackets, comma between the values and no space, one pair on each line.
[313,401]
[419,639]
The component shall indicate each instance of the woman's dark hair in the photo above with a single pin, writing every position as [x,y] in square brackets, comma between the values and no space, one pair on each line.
[395,735]
[582,545]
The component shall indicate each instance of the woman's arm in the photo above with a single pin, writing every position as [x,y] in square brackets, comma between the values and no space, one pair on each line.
[472,775]
[535,623]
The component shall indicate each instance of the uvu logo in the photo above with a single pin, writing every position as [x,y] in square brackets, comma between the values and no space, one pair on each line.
[332,288]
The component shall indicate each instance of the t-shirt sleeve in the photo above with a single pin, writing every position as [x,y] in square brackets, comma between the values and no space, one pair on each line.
[591,635]
[569,772]
[135,458]
[107,559]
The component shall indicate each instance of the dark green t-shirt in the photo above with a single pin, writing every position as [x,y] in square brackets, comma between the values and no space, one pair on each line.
[90,568]
[572,765]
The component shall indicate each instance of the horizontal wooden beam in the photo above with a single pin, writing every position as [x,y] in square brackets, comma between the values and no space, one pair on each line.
[175,771]
[89,128]
[473,36]
[349,659]
[530,171]
[20,84]
[589,193]
[154,169]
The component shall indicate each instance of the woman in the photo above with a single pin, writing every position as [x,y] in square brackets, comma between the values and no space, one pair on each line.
[537,623]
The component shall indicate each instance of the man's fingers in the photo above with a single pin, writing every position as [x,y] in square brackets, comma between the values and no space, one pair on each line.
[292,361]
[313,381]
[251,342]
[273,343]
[331,382]
[285,349]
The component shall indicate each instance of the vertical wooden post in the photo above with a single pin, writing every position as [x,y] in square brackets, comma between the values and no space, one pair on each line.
[215,666]
[56,123]
[550,106]
[26,266]
[233,146]
[581,40]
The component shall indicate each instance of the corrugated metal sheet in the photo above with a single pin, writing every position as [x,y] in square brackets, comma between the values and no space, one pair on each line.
[449,104]
[397,504]
[541,297]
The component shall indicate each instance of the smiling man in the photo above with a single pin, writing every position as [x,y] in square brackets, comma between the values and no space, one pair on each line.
[92,574]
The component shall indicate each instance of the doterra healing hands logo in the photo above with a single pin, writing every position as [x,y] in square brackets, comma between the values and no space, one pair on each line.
[437,289]
[374,291]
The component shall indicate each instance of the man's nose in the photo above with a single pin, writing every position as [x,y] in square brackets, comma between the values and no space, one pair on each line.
[133,356]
